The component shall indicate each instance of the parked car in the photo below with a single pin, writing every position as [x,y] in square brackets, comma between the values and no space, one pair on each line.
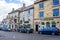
[55,30]
[25,29]
[0,28]
[6,29]
[49,30]
[19,28]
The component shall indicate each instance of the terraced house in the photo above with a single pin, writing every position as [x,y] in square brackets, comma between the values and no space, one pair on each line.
[13,19]
[21,16]
[46,14]
[43,13]
[26,15]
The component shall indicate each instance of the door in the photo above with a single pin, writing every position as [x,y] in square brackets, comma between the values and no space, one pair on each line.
[53,24]
[47,24]
[36,27]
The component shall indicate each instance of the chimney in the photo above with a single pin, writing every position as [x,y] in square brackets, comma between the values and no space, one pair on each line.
[12,9]
[24,5]
[37,0]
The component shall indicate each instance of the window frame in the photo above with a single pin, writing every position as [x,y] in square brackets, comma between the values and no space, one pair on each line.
[40,13]
[29,11]
[42,5]
[55,14]
[54,4]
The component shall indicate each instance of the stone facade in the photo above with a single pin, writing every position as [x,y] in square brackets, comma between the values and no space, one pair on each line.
[48,14]
[30,15]
[13,19]
[26,16]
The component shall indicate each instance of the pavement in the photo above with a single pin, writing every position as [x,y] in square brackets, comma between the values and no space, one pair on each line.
[25,36]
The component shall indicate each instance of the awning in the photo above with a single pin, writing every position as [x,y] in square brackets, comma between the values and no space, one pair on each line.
[53,22]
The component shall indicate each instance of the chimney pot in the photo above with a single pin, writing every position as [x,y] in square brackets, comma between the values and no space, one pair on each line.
[24,5]
[12,9]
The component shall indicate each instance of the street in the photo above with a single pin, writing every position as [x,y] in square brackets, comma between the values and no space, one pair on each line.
[25,36]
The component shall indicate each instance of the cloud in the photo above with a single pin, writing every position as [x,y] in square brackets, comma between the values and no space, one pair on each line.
[5,7]
[28,2]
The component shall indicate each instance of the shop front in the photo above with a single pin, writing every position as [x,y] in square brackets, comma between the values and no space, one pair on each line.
[54,22]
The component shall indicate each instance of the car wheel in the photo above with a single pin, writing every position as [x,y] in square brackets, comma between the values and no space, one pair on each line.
[20,31]
[53,33]
[27,31]
[56,33]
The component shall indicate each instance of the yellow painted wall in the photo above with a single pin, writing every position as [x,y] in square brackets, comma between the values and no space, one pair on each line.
[48,7]
[48,12]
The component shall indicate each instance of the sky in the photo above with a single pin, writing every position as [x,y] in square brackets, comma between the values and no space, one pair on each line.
[7,5]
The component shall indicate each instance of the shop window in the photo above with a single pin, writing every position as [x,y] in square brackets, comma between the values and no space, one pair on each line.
[43,23]
[53,24]
[47,24]
[55,12]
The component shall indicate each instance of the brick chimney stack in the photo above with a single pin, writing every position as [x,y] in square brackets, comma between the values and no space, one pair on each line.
[12,9]
[24,5]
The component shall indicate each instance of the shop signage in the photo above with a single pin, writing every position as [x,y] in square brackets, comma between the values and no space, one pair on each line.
[48,19]
[26,21]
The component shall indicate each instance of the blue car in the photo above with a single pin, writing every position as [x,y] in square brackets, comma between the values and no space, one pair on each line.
[25,29]
[49,30]
[6,29]
[55,30]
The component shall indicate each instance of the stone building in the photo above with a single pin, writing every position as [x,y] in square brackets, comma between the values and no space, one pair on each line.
[26,15]
[13,19]
[46,14]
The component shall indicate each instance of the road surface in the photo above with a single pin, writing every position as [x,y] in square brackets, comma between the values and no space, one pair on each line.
[25,36]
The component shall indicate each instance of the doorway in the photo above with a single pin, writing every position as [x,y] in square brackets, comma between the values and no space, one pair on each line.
[36,27]
[53,24]
[47,24]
